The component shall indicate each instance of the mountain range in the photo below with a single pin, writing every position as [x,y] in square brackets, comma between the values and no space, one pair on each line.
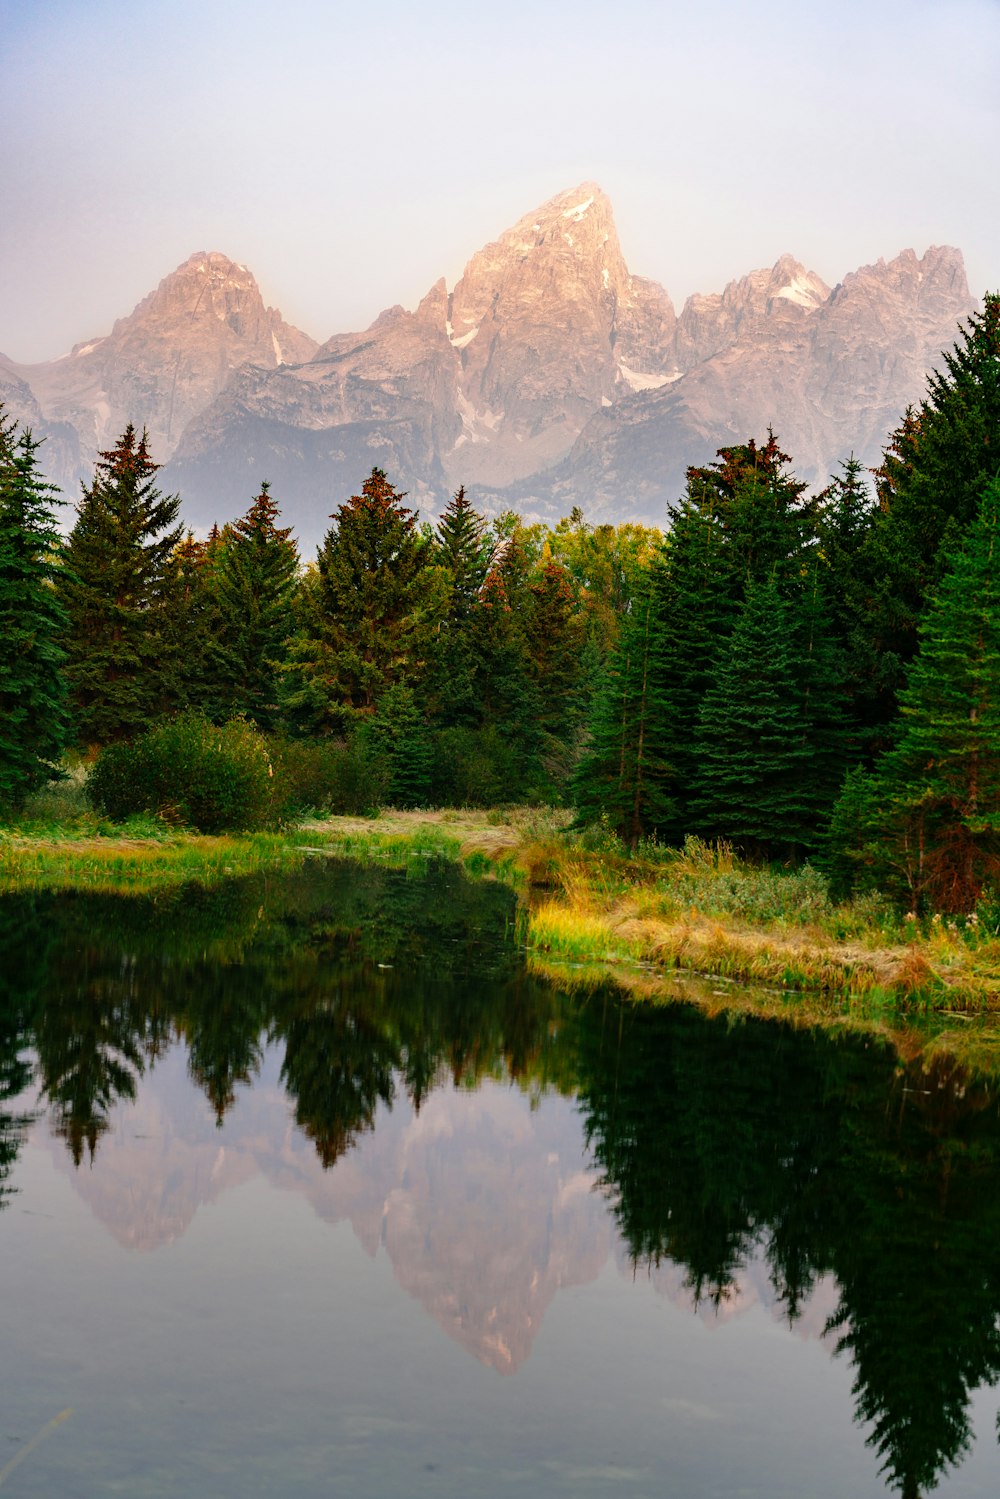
[549,377]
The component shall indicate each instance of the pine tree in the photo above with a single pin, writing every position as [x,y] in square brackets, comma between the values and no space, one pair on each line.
[254,582]
[934,814]
[464,549]
[622,778]
[398,731]
[114,589]
[846,516]
[766,525]
[757,738]
[34,716]
[934,470]
[379,597]
[554,638]
[193,628]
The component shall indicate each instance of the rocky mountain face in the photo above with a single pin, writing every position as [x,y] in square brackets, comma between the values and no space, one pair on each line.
[548,377]
[831,372]
[164,363]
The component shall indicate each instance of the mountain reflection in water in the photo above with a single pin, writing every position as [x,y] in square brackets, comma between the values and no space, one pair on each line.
[389,1051]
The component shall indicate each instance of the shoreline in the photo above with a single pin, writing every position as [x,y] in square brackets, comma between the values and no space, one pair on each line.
[658,927]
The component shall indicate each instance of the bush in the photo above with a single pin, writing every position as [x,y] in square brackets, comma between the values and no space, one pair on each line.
[329,775]
[188,770]
[474,768]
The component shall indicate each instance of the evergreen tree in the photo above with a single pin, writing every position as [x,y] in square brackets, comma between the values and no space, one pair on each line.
[254,582]
[378,601]
[399,733]
[846,516]
[934,470]
[505,692]
[758,737]
[34,718]
[766,525]
[554,638]
[622,778]
[193,627]
[114,589]
[932,824]
[464,549]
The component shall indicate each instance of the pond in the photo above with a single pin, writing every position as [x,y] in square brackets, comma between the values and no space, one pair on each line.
[309,1186]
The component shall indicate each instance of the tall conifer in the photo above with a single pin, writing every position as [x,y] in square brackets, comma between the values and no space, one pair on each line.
[932,820]
[758,738]
[34,716]
[933,474]
[254,582]
[622,778]
[114,590]
[379,597]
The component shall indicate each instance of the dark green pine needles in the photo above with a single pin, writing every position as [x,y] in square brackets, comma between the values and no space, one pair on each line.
[255,578]
[931,815]
[769,742]
[34,718]
[114,589]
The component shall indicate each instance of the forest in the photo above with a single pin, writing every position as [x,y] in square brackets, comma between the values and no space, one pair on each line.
[803,677]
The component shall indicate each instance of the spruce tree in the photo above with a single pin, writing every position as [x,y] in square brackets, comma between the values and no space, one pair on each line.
[463,548]
[933,824]
[399,733]
[934,470]
[755,752]
[379,596]
[464,551]
[193,628]
[554,638]
[766,524]
[254,582]
[622,778]
[34,715]
[114,589]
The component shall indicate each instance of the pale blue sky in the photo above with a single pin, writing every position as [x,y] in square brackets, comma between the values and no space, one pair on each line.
[350,154]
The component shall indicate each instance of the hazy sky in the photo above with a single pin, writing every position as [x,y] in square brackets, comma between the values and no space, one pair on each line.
[352,153]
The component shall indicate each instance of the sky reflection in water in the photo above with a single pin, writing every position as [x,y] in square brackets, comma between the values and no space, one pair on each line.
[294,1171]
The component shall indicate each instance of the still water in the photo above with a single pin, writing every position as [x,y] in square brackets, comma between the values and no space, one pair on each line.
[309,1187]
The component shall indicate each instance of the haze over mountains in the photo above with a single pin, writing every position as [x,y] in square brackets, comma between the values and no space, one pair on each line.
[548,377]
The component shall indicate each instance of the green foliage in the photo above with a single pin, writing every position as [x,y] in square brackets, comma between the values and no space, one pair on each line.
[348,775]
[622,775]
[34,717]
[930,816]
[191,771]
[377,603]
[474,768]
[936,466]
[397,734]
[769,744]
[463,548]
[114,588]
[253,579]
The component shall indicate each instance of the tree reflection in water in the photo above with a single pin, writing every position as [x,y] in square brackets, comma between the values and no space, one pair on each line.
[714,1139]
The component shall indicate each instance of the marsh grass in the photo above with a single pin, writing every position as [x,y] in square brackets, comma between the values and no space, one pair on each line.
[701,909]
[587,903]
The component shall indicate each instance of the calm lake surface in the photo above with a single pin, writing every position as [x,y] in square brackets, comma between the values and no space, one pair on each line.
[308,1187]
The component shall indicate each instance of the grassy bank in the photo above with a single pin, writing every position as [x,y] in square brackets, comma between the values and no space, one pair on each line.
[701,909]
[587,905]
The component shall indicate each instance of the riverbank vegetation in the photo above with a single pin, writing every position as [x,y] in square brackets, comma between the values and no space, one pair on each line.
[589,906]
[772,735]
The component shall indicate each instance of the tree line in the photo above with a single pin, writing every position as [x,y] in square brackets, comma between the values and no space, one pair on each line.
[802,675]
